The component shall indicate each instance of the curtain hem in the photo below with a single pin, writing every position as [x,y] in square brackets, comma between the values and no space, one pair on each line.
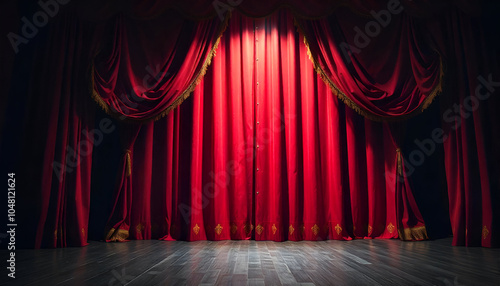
[413,233]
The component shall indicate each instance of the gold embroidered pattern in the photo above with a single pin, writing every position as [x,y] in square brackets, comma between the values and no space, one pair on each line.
[139,228]
[370,229]
[248,228]
[302,229]
[218,229]
[259,229]
[338,229]
[83,232]
[234,228]
[274,229]
[315,229]
[291,229]
[196,229]
[485,232]
[390,227]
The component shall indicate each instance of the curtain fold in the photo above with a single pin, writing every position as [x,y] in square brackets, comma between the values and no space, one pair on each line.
[470,122]
[150,67]
[411,224]
[381,69]
[263,150]
[61,125]
[118,225]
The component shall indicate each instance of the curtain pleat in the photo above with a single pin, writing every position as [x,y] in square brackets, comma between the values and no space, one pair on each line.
[263,150]
[64,127]
[150,67]
[383,69]
[470,125]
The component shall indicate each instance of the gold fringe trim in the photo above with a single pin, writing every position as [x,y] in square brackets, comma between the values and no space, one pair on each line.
[438,89]
[208,61]
[117,235]
[354,106]
[128,162]
[95,96]
[413,233]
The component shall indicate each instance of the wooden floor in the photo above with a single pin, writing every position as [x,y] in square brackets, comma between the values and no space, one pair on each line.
[358,262]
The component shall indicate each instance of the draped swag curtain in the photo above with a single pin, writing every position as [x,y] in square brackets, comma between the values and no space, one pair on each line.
[262,149]
[402,79]
[263,155]
[136,79]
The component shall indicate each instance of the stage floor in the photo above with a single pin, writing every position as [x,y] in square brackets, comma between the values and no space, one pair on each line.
[358,262]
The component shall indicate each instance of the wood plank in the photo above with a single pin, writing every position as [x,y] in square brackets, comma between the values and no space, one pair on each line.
[358,262]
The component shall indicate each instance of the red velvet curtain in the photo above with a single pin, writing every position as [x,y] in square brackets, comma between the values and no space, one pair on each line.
[151,66]
[264,150]
[59,137]
[411,225]
[135,79]
[383,68]
[190,165]
[470,121]
[118,225]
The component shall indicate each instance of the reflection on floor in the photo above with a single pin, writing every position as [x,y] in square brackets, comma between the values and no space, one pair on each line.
[358,262]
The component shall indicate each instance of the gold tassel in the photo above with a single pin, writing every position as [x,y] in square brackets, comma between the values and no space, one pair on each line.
[400,162]
[128,163]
